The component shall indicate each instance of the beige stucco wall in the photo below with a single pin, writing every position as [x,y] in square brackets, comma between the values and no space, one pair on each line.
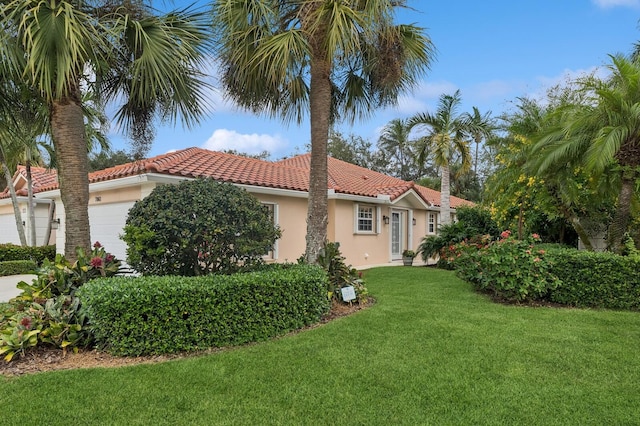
[292,219]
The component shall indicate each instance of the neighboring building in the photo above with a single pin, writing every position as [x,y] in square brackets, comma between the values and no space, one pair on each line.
[373,216]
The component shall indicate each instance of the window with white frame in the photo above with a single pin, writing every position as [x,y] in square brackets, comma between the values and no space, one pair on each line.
[432,223]
[272,210]
[365,218]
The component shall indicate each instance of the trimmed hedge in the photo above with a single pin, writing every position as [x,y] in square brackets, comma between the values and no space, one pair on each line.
[596,280]
[156,315]
[37,254]
[17,267]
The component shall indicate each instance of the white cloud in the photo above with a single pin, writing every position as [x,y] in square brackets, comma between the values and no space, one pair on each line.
[493,89]
[433,90]
[408,105]
[223,139]
[568,75]
[606,4]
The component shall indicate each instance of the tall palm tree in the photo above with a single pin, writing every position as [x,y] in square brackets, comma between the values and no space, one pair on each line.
[447,138]
[330,59]
[481,126]
[602,132]
[127,54]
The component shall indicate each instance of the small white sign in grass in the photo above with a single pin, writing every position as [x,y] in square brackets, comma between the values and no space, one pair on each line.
[348,293]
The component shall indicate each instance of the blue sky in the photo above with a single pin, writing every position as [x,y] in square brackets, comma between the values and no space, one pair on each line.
[493,51]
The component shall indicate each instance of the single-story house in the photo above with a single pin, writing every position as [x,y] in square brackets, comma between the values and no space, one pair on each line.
[375,217]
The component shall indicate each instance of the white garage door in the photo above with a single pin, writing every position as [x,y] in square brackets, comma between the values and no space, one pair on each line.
[8,229]
[107,224]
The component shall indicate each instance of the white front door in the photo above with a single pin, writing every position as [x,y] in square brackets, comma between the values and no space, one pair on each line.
[398,232]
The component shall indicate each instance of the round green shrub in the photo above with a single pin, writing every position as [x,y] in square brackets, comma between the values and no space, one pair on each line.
[198,227]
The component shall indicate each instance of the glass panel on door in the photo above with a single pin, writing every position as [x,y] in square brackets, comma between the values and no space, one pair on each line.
[396,234]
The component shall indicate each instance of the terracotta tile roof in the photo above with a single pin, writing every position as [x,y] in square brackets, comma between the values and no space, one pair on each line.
[348,178]
[433,197]
[41,177]
[197,162]
[291,173]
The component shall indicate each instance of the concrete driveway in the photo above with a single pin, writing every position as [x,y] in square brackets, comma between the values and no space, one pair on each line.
[8,287]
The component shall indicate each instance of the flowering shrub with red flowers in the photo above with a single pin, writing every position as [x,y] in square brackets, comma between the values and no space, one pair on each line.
[511,269]
[47,311]
[449,255]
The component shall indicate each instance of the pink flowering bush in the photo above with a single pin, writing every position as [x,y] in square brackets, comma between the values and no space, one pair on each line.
[511,269]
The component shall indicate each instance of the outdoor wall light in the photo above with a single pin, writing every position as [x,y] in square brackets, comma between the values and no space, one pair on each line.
[414,221]
[385,219]
[55,223]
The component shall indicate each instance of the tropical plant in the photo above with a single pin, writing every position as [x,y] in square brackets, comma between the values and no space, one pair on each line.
[326,58]
[602,134]
[474,224]
[340,274]
[481,128]
[399,149]
[48,312]
[198,227]
[447,136]
[125,53]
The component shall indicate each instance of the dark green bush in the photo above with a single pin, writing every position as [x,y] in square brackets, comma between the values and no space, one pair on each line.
[36,254]
[17,267]
[198,227]
[154,315]
[510,269]
[597,280]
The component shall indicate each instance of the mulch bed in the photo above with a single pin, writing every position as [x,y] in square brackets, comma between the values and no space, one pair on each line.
[50,359]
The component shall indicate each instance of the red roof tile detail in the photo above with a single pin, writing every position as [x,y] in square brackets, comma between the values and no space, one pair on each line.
[42,178]
[291,173]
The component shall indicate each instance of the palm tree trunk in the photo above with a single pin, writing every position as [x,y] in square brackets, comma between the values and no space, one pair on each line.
[445,196]
[320,109]
[577,226]
[67,127]
[14,200]
[31,203]
[620,222]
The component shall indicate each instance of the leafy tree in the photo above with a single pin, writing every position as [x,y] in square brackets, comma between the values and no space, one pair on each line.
[531,200]
[125,53]
[198,227]
[326,58]
[264,155]
[602,134]
[447,137]
[105,159]
[353,149]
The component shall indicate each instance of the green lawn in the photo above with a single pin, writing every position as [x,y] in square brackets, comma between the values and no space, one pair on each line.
[429,352]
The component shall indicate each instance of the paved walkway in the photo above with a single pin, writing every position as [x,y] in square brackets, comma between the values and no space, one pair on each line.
[8,287]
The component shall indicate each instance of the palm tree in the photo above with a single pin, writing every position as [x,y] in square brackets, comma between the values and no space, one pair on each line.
[602,132]
[447,138]
[326,58]
[150,63]
[395,142]
[481,127]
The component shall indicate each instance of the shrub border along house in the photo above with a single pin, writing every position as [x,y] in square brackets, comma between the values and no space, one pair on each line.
[521,271]
[596,280]
[155,315]
[37,254]
[17,267]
